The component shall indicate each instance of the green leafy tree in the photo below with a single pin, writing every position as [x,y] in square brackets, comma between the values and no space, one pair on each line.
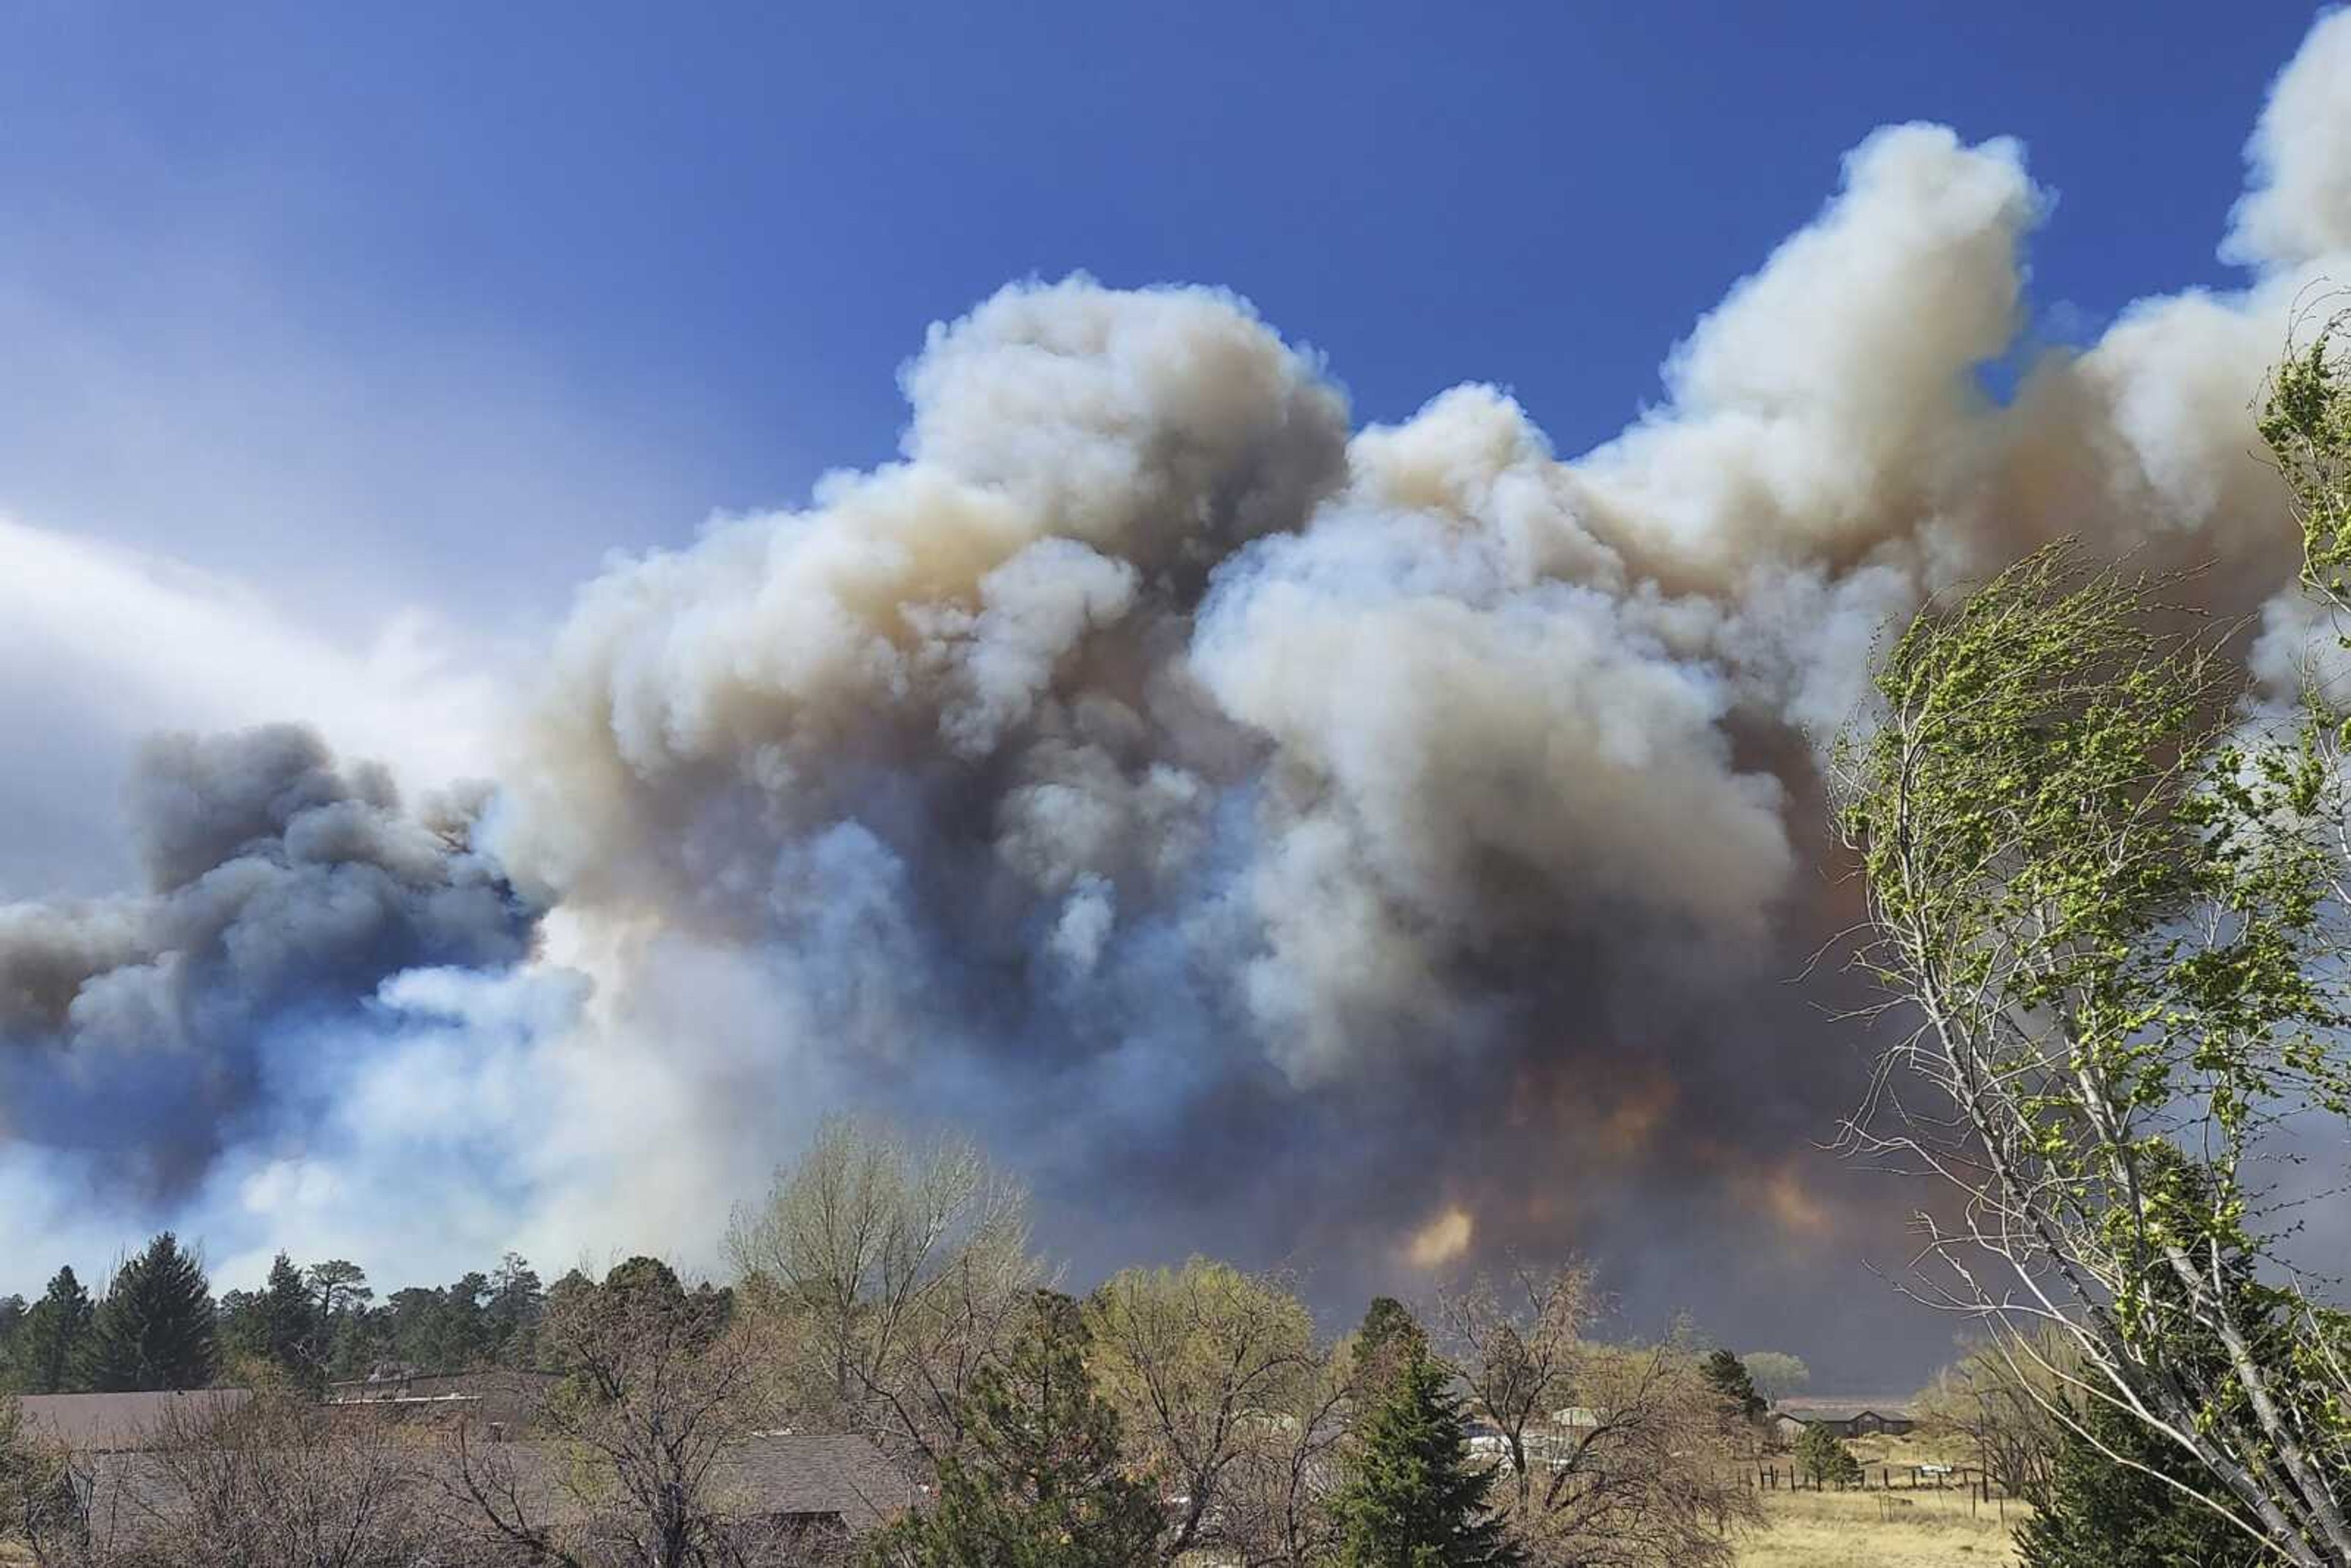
[2110,910]
[1728,1376]
[1822,1455]
[1041,1482]
[49,1345]
[1413,1497]
[155,1328]
[1775,1374]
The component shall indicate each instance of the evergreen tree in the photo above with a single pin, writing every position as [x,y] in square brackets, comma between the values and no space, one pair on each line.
[1728,1376]
[518,1303]
[1387,1341]
[1042,1483]
[49,1344]
[2105,1514]
[339,1340]
[1413,1497]
[1822,1455]
[286,1336]
[155,1328]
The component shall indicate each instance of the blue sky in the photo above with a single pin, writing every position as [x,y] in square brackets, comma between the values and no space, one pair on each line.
[562,277]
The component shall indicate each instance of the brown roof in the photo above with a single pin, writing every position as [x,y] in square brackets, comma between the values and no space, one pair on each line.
[117,1423]
[762,1478]
[772,1473]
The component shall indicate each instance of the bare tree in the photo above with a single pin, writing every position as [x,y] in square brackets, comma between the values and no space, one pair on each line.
[1646,1473]
[1518,1344]
[633,1467]
[1201,1362]
[2003,1406]
[1274,1501]
[898,1269]
[1619,1456]
[274,1482]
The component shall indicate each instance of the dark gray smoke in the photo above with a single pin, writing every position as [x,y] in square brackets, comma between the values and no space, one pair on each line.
[276,880]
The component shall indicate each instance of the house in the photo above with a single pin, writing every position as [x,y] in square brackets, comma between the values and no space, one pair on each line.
[499,1403]
[122,1423]
[769,1487]
[1789,1422]
[830,1482]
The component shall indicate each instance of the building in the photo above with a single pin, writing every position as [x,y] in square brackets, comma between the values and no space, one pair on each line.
[1789,1421]
[501,1403]
[122,1423]
[769,1487]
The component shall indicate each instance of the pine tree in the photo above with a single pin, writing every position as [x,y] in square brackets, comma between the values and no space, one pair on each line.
[2105,1514]
[49,1344]
[285,1321]
[1822,1455]
[1389,1339]
[155,1328]
[1043,1484]
[1414,1498]
[1728,1376]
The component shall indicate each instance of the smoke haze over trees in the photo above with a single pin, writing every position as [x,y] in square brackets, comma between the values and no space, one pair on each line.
[1378,845]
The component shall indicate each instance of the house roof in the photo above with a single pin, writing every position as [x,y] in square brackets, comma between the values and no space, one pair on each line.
[117,1423]
[1811,1413]
[761,1478]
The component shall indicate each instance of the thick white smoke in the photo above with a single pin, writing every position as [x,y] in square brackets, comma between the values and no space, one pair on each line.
[1209,800]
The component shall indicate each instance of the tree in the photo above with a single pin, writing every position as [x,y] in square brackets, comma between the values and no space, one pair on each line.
[155,1328]
[1042,1482]
[2105,908]
[517,1301]
[1413,1497]
[2121,1496]
[12,1320]
[1197,1361]
[2013,1411]
[1728,1377]
[898,1269]
[1644,1472]
[339,1343]
[1775,1374]
[1516,1345]
[286,1336]
[1822,1455]
[49,1345]
[1385,1342]
[656,1396]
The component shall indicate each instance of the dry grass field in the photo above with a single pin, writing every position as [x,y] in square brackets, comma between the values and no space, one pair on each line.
[1874,1529]
[1901,1529]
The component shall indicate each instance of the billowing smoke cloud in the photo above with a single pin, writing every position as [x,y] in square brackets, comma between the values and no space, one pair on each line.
[277,882]
[1374,847]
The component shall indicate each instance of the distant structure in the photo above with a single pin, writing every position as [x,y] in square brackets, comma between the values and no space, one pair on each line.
[120,1423]
[1789,1421]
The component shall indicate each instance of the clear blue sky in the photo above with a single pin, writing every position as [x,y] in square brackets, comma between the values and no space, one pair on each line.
[553,278]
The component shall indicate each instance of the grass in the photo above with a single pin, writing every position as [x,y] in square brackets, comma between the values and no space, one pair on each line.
[1902,1529]
[1853,1530]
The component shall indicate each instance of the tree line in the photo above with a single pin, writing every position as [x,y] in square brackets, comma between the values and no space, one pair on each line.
[158,1326]
[887,1288]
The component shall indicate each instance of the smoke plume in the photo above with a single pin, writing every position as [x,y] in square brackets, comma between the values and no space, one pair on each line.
[1378,847]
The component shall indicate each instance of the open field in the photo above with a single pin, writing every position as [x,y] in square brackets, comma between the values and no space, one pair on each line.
[1901,1529]
[1853,1530]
